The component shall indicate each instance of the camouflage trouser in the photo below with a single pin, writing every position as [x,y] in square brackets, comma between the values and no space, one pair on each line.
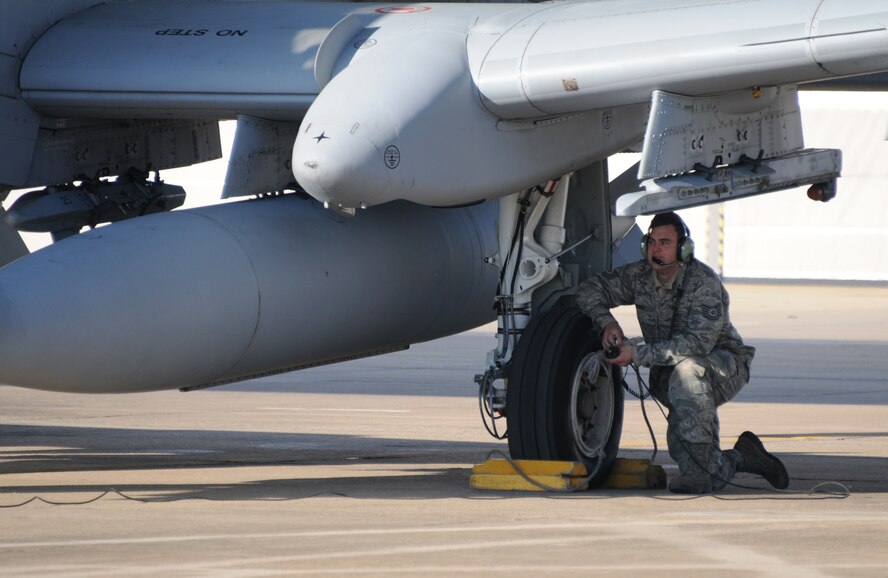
[692,390]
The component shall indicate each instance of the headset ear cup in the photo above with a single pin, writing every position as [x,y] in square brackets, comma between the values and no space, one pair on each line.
[686,250]
[644,246]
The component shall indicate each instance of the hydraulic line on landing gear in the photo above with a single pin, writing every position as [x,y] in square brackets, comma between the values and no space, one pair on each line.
[492,401]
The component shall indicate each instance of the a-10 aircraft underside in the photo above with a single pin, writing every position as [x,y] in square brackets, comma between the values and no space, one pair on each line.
[418,169]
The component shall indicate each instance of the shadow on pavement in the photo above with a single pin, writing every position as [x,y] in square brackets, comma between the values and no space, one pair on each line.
[383,468]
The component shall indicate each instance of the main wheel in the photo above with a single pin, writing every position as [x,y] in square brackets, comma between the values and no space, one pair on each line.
[562,402]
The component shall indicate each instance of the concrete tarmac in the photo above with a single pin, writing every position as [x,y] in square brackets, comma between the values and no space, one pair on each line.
[362,469]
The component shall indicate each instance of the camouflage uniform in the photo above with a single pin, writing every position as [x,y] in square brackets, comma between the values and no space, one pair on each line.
[694,369]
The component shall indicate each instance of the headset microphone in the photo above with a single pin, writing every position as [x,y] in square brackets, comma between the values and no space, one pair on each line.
[663,263]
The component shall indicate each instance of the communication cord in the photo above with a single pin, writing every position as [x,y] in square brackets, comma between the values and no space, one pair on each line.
[115,492]
[641,397]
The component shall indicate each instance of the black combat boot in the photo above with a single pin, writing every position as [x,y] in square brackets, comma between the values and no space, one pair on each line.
[694,477]
[755,459]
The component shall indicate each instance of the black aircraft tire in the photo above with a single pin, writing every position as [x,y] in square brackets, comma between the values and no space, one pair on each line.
[545,375]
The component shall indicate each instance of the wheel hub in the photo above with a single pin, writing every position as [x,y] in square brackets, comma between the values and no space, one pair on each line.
[591,406]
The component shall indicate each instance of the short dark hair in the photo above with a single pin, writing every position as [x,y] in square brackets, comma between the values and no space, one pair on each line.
[671,218]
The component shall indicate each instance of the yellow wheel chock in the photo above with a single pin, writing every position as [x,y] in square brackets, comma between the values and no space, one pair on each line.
[559,476]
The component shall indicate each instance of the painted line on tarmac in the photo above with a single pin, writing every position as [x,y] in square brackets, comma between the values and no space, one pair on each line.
[710,552]
[409,531]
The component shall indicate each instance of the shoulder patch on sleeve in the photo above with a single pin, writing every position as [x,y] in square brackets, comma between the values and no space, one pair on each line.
[712,313]
[610,274]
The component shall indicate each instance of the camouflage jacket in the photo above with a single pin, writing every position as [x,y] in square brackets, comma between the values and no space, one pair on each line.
[703,323]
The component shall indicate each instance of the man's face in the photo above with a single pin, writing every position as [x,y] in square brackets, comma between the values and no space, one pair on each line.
[662,245]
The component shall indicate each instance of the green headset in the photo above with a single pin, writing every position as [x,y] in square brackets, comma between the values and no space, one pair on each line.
[685,243]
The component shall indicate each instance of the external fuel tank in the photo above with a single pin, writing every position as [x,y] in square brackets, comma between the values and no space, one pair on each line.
[239,290]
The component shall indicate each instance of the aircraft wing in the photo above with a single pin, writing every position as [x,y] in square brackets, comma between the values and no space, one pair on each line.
[467,73]
[207,59]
